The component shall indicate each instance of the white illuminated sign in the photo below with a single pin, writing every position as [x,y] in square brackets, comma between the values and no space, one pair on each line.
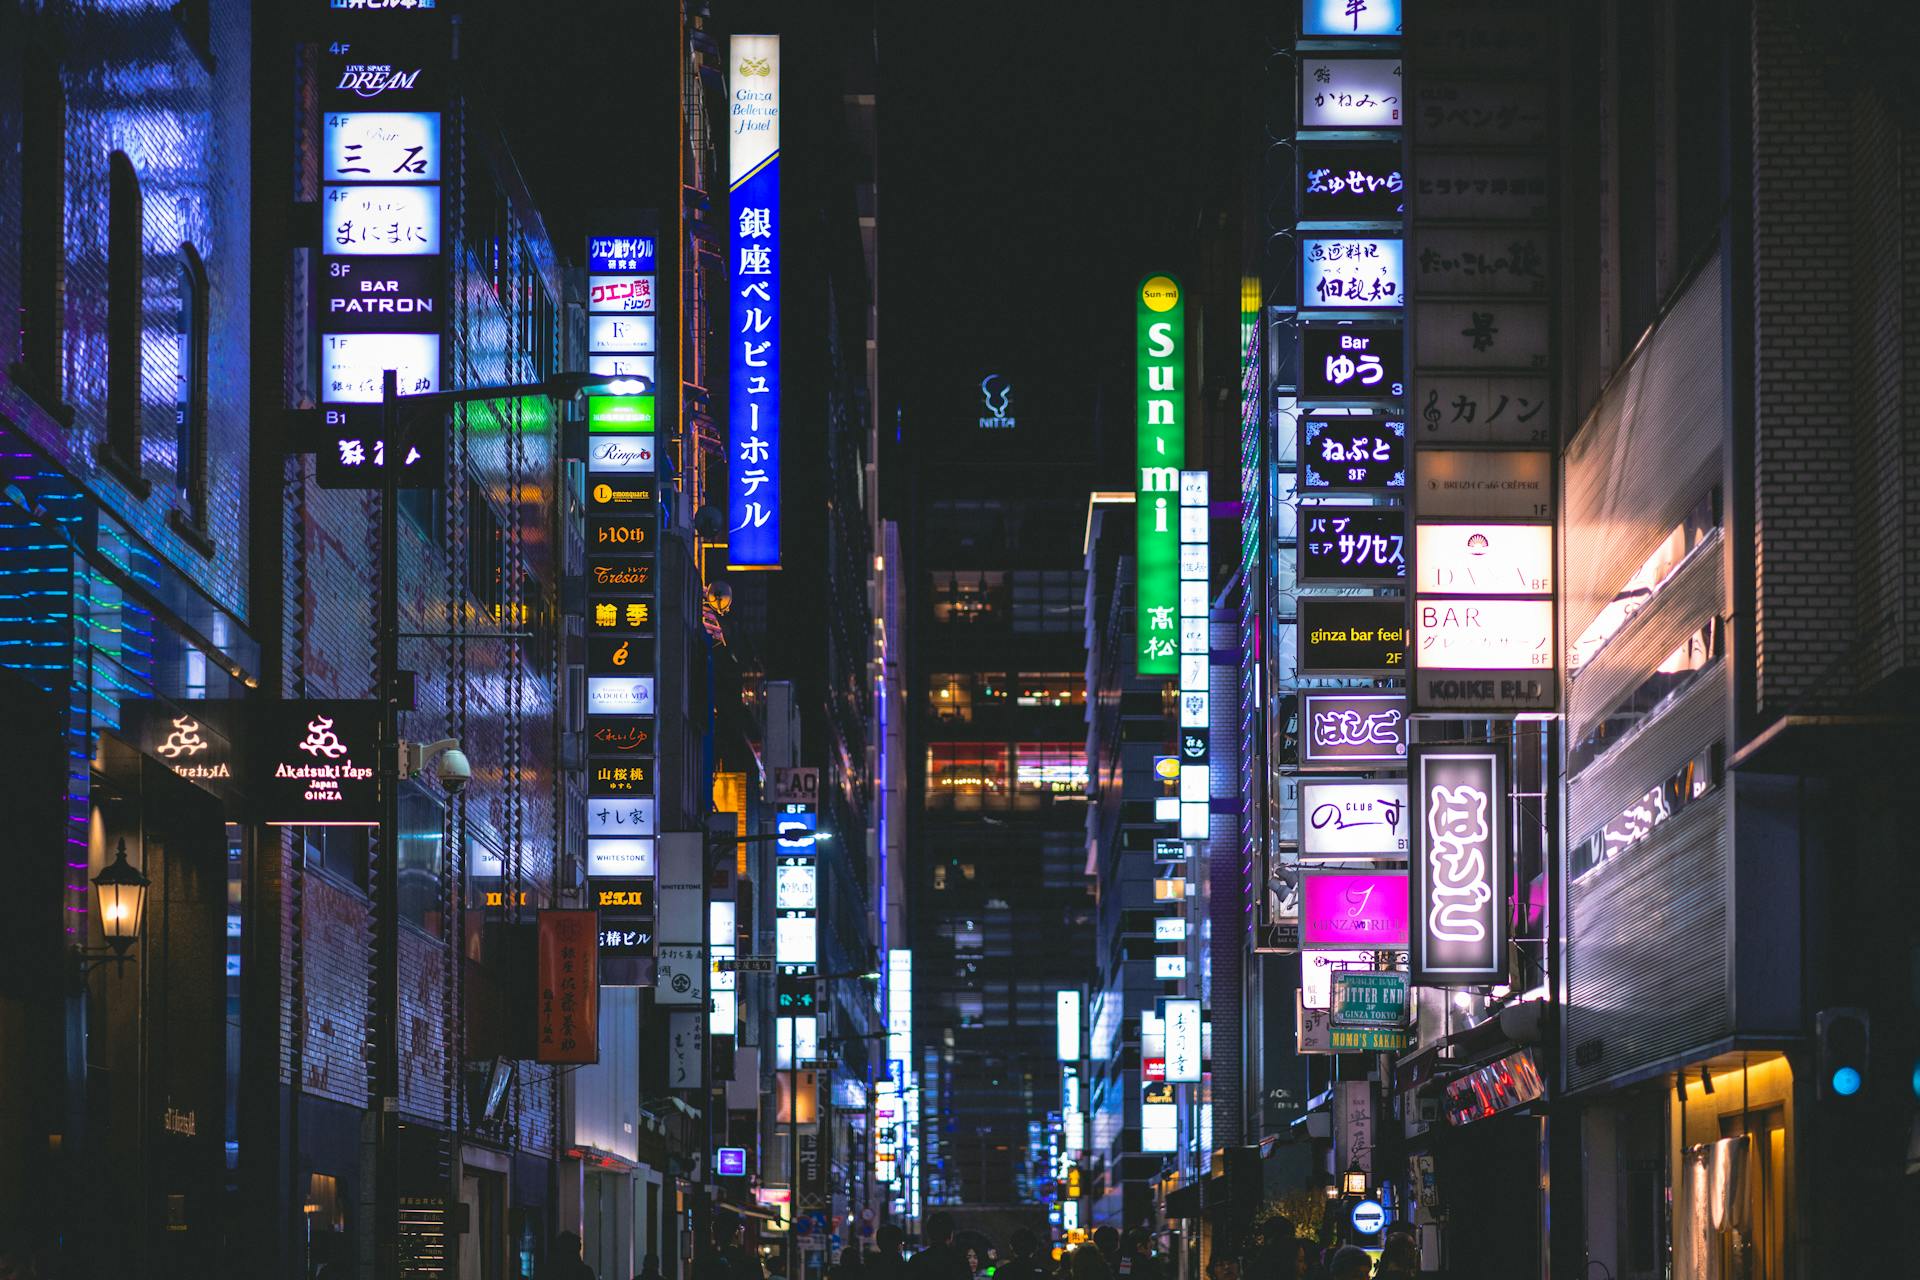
[1182,1021]
[620,454]
[1159,1126]
[1169,968]
[626,859]
[1169,929]
[1352,272]
[382,146]
[1483,635]
[620,333]
[630,816]
[1346,819]
[620,695]
[1067,1026]
[1350,93]
[793,940]
[352,365]
[381,220]
[1317,969]
[1483,559]
[794,887]
[628,365]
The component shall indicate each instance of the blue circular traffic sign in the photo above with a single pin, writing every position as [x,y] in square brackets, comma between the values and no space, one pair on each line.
[1369,1217]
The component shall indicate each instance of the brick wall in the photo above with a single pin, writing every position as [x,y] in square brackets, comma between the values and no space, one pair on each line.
[1804,471]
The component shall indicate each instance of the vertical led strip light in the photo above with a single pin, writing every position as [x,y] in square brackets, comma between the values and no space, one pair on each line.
[753,407]
[1160,452]
[1194,717]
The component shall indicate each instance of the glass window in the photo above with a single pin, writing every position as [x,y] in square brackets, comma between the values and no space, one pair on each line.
[969,595]
[950,697]
[1043,769]
[422,835]
[1663,684]
[1673,551]
[964,776]
[1048,600]
[1050,689]
[341,851]
[125,246]
[190,388]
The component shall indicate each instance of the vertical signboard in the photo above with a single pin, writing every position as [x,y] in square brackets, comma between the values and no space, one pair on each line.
[569,987]
[1195,714]
[621,590]
[753,409]
[379,275]
[1459,880]
[1160,452]
[1066,1029]
[1181,1020]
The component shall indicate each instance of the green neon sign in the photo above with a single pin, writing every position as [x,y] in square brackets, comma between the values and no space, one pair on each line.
[1160,417]
[621,415]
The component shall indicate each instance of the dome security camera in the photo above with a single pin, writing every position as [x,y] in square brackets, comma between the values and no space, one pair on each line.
[454,771]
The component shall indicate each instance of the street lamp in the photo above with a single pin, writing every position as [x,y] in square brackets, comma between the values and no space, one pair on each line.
[120,891]
[1354,1181]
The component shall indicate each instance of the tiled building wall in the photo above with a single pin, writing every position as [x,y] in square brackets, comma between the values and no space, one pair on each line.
[175,102]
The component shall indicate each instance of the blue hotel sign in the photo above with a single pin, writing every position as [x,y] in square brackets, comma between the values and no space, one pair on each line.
[753,409]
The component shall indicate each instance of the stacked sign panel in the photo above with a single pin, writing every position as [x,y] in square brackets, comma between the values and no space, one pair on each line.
[380,275]
[1347,822]
[622,594]
[753,438]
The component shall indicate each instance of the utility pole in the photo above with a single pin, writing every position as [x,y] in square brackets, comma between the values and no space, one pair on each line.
[383,1105]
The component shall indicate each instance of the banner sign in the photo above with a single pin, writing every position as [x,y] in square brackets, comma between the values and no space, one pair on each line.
[1352,546]
[1341,730]
[1352,364]
[314,763]
[1352,272]
[1350,93]
[1369,999]
[1483,559]
[1353,909]
[1483,634]
[1352,455]
[754,234]
[1459,886]
[1340,635]
[569,987]
[1351,818]
[1351,182]
[1485,484]
[1330,19]
[1160,450]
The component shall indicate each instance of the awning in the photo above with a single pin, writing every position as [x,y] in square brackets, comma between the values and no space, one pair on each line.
[757,1211]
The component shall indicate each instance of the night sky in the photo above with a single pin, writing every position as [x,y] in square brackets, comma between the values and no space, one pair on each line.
[1032,161]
